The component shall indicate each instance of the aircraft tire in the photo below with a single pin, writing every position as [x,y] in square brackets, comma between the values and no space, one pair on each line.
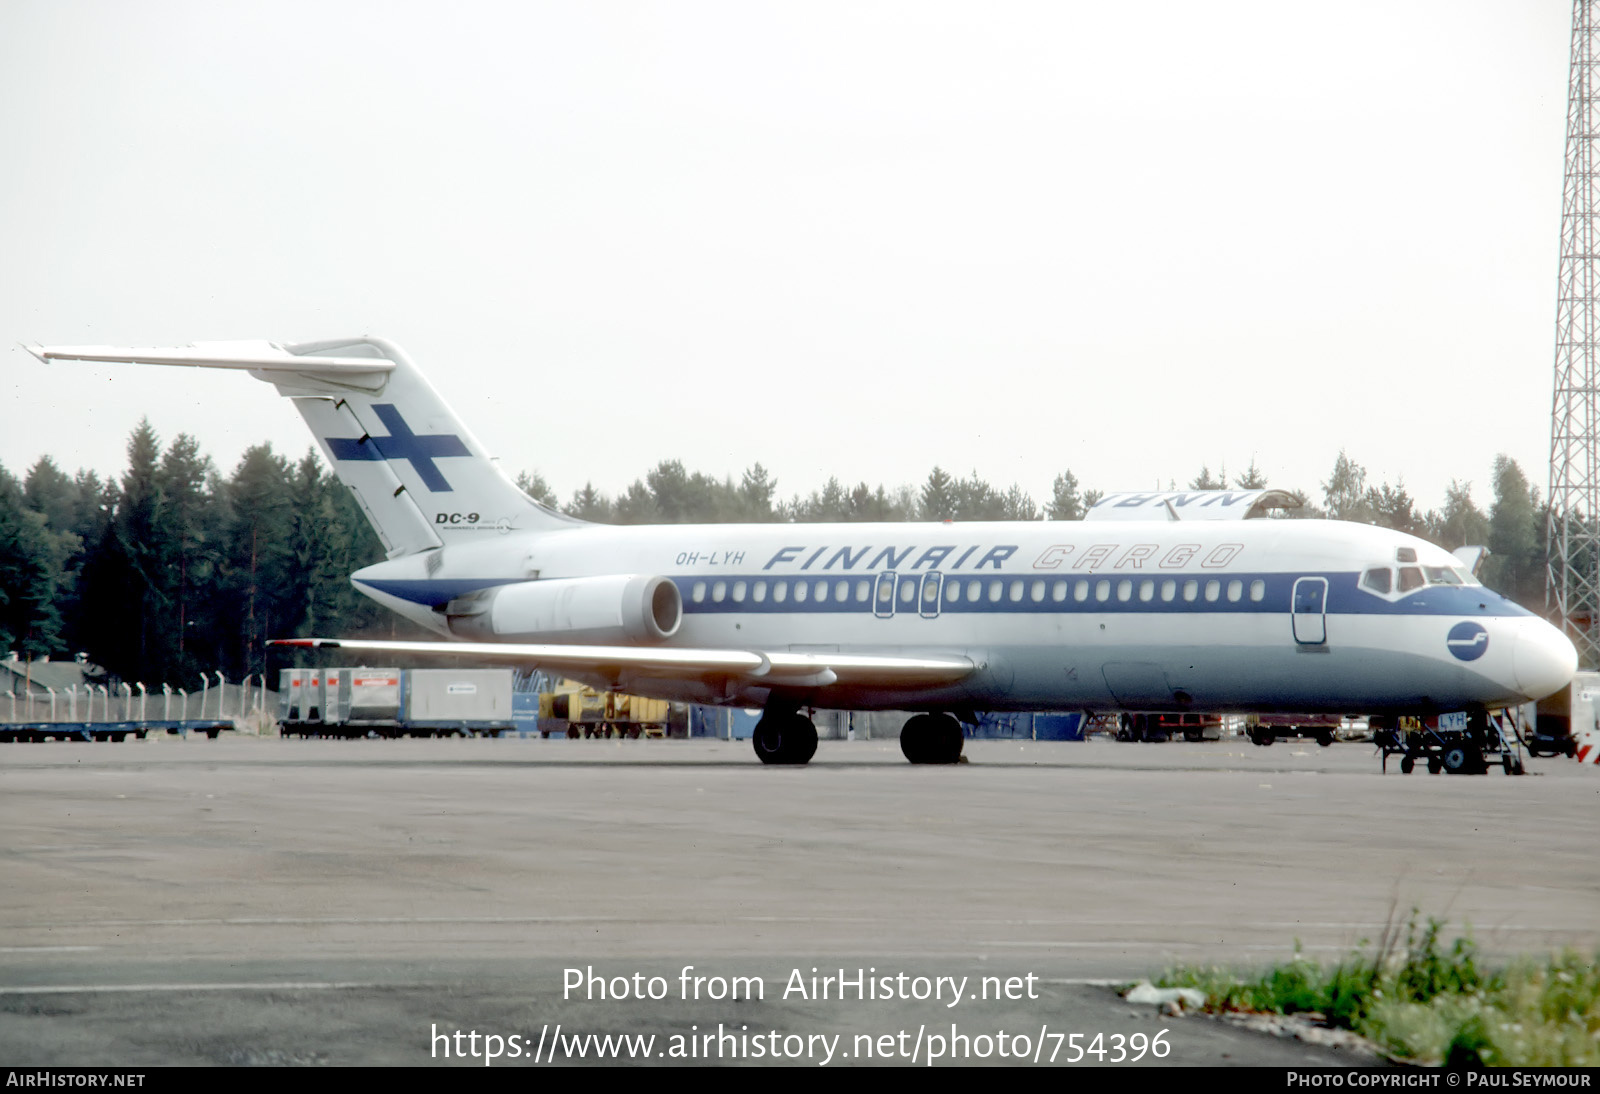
[1408,764]
[1325,739]
[932,739]
[785,739]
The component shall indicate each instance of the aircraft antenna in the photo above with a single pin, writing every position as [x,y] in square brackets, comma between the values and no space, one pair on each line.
[1573,588]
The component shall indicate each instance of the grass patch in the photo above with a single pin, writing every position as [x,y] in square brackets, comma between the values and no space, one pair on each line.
[1422,1001]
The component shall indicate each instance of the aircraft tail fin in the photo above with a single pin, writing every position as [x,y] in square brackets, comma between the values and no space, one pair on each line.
[419,474]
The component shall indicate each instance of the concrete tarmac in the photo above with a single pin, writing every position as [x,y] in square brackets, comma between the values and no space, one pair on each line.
[263,901]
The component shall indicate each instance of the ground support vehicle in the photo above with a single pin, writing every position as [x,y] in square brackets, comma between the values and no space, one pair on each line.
[1263,729]
[1460,743]
[591,713]
[1565,720]
[1158,726]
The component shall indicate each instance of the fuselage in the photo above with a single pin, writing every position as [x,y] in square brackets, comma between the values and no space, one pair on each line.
[1297,615]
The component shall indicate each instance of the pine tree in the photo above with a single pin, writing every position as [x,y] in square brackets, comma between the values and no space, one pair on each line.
[1516,564]
[938,500]
[1065,501]
[30,559]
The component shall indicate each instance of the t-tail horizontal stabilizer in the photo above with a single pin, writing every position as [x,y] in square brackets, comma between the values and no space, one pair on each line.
[421,477]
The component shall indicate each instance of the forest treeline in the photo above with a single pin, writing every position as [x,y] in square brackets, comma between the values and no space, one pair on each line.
[174,568]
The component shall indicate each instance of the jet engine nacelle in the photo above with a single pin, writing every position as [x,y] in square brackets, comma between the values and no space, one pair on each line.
[617,608]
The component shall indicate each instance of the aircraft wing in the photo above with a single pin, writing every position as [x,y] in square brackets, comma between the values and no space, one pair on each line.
[768,668]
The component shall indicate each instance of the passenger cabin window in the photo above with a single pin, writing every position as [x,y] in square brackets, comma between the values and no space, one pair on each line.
[1147,589]
[974,591]
[1213,589]
[1102,590]
[1377,580]
[780,592]
[822,591]
[1124,589]
[863,591]
[841,591]
[1410,578]
[699,593]
[994,592]
[1037,591]
[1235,590]
[1058,591]
[1169,589]
[1258,589]
[738,592]
[719,591]
[801,591]
[908,591]
[760,591]
[1016,591]
[952,591]
[1081,592]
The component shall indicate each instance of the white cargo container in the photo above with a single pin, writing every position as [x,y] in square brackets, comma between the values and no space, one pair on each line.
[467,699]
[391,702]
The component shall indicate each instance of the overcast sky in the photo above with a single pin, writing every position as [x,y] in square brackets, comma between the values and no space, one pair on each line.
[848,239]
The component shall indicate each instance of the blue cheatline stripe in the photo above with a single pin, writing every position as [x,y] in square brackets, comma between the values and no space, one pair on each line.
[1017,592]
[433,591]
[1344,595]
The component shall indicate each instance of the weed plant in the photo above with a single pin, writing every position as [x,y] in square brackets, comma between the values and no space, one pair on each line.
[1423,1002]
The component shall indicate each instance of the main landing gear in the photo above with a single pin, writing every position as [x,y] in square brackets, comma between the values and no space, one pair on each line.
[785,737]
[932,739]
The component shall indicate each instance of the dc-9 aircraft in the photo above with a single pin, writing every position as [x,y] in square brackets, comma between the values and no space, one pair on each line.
[947,619]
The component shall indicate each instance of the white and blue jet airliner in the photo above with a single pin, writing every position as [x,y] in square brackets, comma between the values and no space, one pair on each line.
[945,619]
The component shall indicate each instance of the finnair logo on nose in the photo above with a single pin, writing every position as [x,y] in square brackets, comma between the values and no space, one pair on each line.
[1467,641]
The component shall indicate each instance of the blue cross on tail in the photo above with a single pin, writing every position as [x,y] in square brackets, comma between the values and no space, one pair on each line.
[402,444]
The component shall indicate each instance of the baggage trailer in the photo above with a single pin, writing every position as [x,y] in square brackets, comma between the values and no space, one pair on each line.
[109,731]
[390,702]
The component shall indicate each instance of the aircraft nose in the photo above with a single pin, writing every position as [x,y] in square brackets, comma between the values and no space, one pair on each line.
[1544,660]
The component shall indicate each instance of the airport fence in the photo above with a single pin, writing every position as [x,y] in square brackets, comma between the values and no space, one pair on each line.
[248,704]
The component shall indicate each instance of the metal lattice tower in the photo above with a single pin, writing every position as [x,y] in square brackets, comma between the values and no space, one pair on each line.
[1574,528]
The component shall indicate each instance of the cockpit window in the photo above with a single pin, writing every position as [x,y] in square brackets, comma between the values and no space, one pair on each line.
[1377,580]
[1441,575]
[1405,554]
[1410,577]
